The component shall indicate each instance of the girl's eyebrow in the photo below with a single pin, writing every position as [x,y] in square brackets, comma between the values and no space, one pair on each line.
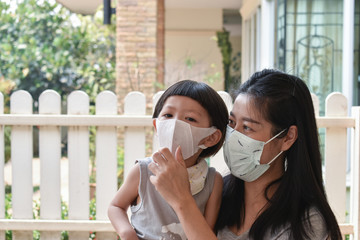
[170,107]
[245,118]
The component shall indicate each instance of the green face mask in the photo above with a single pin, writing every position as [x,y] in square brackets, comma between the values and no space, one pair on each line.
[242,155]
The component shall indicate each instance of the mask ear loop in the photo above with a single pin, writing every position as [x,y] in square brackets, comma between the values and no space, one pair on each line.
[275,158]
[202,146]
[275,136]
[279,152]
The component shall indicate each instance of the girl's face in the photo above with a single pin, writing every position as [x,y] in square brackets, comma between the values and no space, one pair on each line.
[248,120]
[185,109]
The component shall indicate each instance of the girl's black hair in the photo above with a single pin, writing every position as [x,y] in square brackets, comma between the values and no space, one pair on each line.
[208,98]
[284,100]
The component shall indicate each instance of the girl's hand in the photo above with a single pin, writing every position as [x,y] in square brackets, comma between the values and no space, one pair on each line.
[170,176]
[172,182]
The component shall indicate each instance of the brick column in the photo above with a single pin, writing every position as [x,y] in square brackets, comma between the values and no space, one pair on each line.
[136,48]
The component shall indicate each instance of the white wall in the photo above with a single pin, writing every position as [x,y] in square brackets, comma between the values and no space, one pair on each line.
[190,36]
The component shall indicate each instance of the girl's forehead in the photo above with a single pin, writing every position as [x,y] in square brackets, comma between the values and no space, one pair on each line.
[179,99]
[183,103]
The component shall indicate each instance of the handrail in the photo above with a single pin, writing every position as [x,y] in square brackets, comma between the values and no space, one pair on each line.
[123,120]
[56,225]
[84,225]
[348,122]
[75,120]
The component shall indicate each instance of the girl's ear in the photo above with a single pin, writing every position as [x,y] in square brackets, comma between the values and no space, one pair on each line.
[290,138]
[213,139]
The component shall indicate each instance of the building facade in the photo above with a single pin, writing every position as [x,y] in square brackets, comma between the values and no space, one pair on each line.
[317,40]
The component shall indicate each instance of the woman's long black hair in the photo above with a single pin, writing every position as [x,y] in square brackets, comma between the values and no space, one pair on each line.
[284,100]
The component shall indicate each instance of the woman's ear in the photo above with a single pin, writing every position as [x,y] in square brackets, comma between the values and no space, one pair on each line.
[290,138]
[154,123]
[213,139]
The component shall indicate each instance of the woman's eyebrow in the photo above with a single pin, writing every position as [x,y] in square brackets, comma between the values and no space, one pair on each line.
[250,120]
[245,118]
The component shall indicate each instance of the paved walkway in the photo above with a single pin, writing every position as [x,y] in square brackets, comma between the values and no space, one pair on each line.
[64,166]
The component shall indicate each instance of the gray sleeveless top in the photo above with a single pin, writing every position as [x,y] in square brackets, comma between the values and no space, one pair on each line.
[318,232]
[153,218]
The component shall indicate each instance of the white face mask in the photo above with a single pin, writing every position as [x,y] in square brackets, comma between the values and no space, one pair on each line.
[173,133]
[242,155]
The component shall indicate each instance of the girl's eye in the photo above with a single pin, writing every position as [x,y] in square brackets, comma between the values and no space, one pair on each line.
[167,115]
[190,119]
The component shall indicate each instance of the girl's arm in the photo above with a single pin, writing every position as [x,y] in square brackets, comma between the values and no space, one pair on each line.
[125,196]
[213,204]
[171,181]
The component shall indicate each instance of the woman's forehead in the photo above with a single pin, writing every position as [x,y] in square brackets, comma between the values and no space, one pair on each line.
[244,106]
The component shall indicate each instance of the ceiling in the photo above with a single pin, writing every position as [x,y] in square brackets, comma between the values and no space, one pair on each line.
[225,4]
[88,7]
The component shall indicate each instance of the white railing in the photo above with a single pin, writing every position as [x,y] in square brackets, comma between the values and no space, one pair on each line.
[134,120]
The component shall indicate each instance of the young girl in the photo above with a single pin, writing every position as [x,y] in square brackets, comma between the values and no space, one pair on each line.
[190,119]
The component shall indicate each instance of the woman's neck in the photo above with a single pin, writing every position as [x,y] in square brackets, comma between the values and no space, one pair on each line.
[259,191]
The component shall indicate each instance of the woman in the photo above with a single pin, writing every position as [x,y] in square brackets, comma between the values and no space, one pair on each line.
[275,189]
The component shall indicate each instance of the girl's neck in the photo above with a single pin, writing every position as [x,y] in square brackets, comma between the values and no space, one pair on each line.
[192,160]
[191,163]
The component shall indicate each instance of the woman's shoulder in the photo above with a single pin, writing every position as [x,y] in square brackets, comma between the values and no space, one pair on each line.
[314,224]
[317,223]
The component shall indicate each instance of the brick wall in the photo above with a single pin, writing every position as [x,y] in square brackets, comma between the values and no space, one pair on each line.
[136,48]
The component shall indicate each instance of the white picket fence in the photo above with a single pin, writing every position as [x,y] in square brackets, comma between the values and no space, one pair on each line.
[77,120]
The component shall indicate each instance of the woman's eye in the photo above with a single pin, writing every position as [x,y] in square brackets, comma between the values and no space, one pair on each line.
[231,123]
[246,128]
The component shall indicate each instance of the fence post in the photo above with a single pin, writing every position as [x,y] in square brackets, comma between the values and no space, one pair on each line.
[106,160]
[217,161]
[50,155]
[227,99]
[21,102]
[134,137]
[335,155]
[355,171]
[2,162]
[316,104]
[78,154]
[156,97]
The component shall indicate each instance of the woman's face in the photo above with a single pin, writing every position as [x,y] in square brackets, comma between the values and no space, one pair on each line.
[245,118]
